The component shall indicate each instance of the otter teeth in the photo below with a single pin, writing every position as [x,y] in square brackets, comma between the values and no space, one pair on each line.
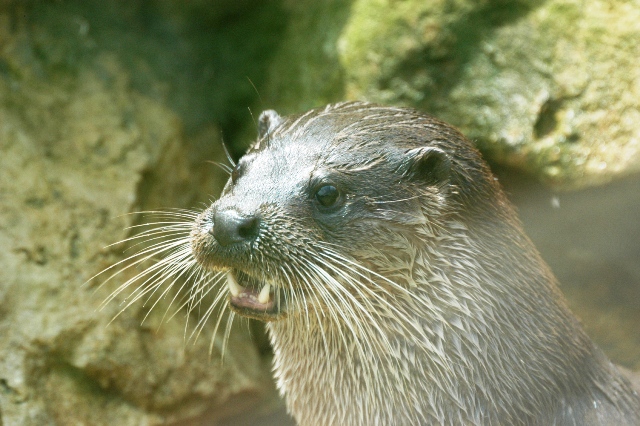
[234,288]
[263,297]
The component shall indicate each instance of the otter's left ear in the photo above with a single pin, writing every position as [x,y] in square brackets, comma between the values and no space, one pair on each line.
[267,122]
[429,164]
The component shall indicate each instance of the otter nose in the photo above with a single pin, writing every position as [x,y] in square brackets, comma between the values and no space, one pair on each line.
[230,227]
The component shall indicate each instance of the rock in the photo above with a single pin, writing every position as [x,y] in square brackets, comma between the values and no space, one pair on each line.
[550,87]
[81,149]
[305,71]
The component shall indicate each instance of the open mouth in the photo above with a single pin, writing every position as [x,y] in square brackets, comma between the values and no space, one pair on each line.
[253,299]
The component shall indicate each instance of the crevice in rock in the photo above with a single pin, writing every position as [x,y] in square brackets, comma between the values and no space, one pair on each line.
[547,120]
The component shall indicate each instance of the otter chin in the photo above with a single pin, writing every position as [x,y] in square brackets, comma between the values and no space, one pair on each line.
[397,282]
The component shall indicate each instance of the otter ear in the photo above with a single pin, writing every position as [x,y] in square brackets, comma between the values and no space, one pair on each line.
[267,122]
[429,164]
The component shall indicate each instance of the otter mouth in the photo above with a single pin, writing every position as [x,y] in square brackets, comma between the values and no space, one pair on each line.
[250,298]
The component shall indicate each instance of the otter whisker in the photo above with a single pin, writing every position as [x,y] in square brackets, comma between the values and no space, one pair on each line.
[163,226]
[348,261]
[181,222]
[222,293]
[306,300]
[202,283]
[308,283]
[224,167]
[202,314]
[227,153]
[322,293]
[208,284]
[140,257]
[335,310]
[196,271]
[359,286]
[227,331]
[157,238]
[291,289]
[157,280]
[167,262]
[332,256]
[386,199]
[164,274]
[202,288]
[405,322]
[383,348]
[341,290]
[156,227]
[175,212]
[225,307]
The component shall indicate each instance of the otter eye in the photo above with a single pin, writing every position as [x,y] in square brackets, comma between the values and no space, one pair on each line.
[327,195]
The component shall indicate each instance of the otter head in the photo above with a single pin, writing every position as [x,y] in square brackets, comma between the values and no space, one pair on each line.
[400,285]
[302,218]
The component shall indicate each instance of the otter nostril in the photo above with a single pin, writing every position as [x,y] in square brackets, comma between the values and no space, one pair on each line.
[248,229]
[229,227]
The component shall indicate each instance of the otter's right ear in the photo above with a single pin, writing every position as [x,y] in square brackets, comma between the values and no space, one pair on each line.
[429,164]
[267,122]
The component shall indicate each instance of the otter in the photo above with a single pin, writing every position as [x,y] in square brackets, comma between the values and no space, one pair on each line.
[397,283]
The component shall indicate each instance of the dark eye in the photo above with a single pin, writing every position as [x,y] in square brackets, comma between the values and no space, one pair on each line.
[327,195]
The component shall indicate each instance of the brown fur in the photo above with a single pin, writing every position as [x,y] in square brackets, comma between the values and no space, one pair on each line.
[416,298]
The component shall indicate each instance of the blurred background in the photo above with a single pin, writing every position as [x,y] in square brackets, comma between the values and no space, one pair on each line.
[111,107]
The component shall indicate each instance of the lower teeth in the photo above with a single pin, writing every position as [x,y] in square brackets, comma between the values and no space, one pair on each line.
[263,297]
[236,289]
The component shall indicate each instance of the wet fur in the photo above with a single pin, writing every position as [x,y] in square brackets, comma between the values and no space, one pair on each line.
[421,301]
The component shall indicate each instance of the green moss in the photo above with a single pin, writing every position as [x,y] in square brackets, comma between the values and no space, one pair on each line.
[306,71]
[207,58]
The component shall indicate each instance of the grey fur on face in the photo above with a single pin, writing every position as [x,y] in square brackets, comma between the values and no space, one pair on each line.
[397,282]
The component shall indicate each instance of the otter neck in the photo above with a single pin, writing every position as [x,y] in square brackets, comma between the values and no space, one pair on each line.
[476,341]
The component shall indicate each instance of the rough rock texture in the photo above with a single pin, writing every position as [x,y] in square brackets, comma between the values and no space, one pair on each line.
[305,71]
[80,147]
[550,87]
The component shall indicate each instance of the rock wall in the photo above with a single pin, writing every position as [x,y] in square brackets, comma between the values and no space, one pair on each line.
[549,87]
[91,131]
